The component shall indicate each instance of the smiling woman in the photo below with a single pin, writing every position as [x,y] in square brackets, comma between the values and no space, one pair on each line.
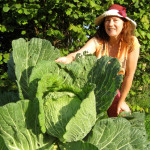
[114,38]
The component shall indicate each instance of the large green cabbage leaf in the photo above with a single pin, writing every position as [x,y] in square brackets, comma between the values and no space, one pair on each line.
[117,134]
[19,127]
[83,121]
[26,55]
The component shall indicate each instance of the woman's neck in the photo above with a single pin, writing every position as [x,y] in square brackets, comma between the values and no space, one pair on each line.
[114,40]
[114,46]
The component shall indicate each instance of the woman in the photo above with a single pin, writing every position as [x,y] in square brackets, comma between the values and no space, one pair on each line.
[115,38]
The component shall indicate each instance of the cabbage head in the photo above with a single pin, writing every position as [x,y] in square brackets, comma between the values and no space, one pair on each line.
[67,112]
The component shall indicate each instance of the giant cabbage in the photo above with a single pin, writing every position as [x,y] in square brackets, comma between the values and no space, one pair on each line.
[63,106]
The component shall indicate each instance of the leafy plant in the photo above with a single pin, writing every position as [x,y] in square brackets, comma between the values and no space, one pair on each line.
[64,106]
[69,24]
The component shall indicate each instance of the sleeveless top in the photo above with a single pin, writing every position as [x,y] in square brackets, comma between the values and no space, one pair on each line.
[102,50]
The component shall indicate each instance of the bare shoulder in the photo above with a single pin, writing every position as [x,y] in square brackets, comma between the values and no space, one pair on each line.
[97,41]
[134,39]
[135,45]
[134,50]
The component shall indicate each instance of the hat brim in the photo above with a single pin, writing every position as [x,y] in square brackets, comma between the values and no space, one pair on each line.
[113,12]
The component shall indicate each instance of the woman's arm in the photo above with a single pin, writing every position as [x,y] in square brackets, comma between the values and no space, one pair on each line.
[127,82]
[90,47]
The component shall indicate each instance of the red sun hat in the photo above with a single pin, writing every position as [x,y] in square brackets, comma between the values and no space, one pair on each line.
[115,10]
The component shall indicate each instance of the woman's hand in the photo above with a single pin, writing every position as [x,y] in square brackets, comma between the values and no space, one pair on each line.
[65,60]
[122,106]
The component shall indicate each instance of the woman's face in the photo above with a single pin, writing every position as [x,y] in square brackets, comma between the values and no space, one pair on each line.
[113,26]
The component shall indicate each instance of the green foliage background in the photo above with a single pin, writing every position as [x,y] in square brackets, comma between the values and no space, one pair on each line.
[68,24]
